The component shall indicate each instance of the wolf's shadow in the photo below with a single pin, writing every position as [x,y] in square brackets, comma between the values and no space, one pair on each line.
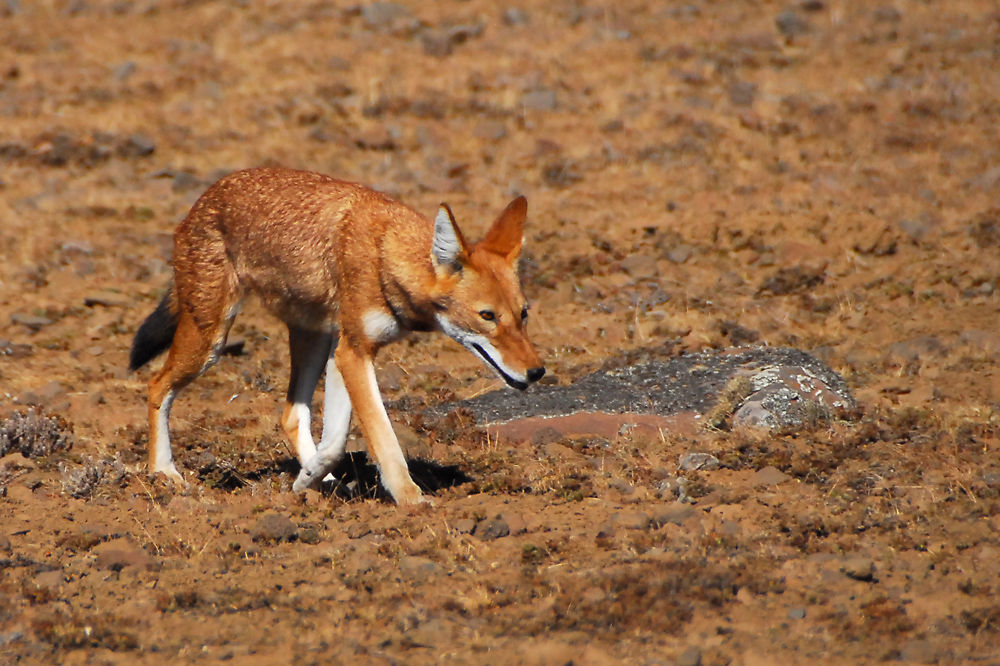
[354,477]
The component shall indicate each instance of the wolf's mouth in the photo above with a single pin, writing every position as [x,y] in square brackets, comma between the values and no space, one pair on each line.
[515,383]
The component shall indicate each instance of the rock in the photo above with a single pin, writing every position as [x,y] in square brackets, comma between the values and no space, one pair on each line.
[690,462]
[490,529]
[5,546]
[676,513]
[795,388]
[914,348]
[106,299]
[464,525]
[515,16]
[120,553]
[769,476]
[539,99]
[790,24]
[631,520]
[441,42]
[273,527]
[689,657]
[137,145]
[414,567]
[859,568]
[381,15]
[796,613]
[34,322]
[742,93]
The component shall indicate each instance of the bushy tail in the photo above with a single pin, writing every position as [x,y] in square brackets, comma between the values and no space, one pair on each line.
[156,333]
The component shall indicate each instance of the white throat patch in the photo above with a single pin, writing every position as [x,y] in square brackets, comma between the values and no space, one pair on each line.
[380,325]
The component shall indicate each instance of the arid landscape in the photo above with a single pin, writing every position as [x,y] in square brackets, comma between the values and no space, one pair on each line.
[822,175]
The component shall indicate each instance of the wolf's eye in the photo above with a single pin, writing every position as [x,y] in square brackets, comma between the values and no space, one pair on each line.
[524,313]
[487,315]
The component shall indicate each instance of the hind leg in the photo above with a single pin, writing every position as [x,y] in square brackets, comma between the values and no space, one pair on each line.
[308,351]
[195,348]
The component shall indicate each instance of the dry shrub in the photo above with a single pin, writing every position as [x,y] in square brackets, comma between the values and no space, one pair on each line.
[83,481]
[34,435]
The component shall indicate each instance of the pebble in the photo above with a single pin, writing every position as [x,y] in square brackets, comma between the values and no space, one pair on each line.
[540,99]
[412,566]
[34,322]
[690,657]
[464,525]
[490,529]
[631,520]
[859,568]
[690,462]
[273,527]
[796,613]
[769,476]
[790,24]
[676,513]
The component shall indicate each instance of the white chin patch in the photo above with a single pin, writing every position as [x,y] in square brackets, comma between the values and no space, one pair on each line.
[485,350]
[380,326]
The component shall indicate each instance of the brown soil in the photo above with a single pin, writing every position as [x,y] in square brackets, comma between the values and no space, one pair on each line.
[819,175]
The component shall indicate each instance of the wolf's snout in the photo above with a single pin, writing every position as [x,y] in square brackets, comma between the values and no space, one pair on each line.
[534,374]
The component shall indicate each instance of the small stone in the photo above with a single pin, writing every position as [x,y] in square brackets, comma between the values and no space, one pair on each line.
[383,14]
[674,513]
[464,526]
[790,24]
[690,462]
[116,555]
[515,16]
[412,566]
[5,546]
[34,322]
[680,253]
[859,568]
[273,527]
[690,657]
[540,99]
[769,476]
[796,613]
[494,528]
[106,299]
[632,520]
[137,145]
[309,535]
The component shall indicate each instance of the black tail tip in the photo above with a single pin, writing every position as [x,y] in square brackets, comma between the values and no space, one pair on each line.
[534,374]
[154,336]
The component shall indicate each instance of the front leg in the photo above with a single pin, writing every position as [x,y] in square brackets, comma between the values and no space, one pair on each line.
[358,371]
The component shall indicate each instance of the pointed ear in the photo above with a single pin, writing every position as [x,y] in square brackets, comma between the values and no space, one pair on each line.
[505,236]
[448,248]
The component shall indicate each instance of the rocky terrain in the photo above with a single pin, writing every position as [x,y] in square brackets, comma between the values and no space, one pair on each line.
[703,178]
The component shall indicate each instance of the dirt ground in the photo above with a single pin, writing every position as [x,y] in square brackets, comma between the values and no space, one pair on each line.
[821,175]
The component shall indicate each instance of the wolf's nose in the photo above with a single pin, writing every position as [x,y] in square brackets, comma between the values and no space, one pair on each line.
[534,374]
